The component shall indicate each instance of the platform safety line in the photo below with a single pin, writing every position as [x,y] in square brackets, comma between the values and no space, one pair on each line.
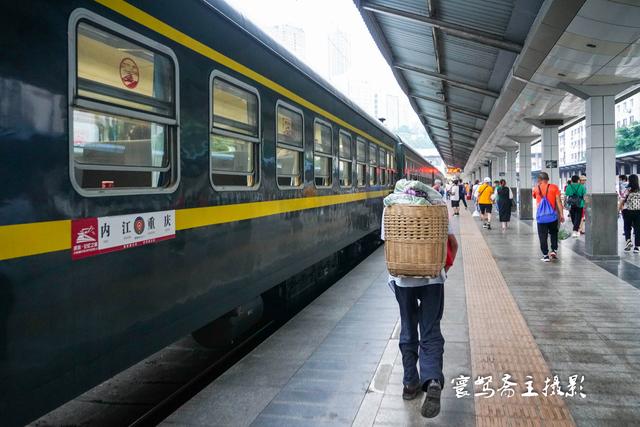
[501,343]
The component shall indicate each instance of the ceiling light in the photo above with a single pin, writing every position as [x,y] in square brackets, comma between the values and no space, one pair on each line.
[562,74]
[591,45]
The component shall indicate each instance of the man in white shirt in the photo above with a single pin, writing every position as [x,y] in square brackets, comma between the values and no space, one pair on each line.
[454,196]
[421,303]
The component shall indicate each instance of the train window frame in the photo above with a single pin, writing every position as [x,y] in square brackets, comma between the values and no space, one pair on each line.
[344,159]
[170,123]
[257,141]
[374,164]
[362,163]
[318,121]
[382,159]
[284,145]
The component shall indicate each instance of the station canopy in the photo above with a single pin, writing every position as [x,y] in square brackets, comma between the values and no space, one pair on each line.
[479,73]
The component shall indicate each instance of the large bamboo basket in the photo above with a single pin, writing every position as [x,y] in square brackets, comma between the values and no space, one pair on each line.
[415,240]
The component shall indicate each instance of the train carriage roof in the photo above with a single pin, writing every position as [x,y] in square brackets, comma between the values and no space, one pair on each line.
[241,21]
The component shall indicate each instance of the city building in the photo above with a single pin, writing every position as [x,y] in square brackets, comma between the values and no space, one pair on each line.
[291,37]
[339,53]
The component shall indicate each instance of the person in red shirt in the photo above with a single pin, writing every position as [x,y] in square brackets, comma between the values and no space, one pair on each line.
[552,193]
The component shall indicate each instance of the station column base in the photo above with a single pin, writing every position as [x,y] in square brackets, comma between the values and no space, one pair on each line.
[526,204]
[601,238]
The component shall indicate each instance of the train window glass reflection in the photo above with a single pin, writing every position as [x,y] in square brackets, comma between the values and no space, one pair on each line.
[114,70]
[361,158]
[345,171]
[123,117]
[322,157]
[290,146]
[234,140]
[373,160]
[234,109]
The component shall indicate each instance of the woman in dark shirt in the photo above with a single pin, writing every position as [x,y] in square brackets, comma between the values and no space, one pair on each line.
[504,204]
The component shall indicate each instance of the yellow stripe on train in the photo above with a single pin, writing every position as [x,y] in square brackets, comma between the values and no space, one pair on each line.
[20,240]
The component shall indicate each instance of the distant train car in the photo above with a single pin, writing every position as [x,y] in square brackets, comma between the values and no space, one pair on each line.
[164,164]
[413,166]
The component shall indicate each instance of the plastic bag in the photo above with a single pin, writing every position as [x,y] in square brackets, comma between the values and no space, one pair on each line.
[565,232]
[413,192]
[404,199]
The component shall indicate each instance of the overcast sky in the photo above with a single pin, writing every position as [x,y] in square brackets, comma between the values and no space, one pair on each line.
[319,19]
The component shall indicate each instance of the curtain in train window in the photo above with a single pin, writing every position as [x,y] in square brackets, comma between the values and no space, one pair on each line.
[123,113]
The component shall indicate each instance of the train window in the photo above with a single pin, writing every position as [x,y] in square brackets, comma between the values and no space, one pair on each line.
[290,146]
[346,160]
[391,162]
[322,155]
[373,161]
[383,167]
[124,113]
[361,158]
[234,141]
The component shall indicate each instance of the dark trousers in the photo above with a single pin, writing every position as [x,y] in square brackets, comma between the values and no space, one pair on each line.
[544,232]
[576,217]
[464,201]
[421,307]
[631,220]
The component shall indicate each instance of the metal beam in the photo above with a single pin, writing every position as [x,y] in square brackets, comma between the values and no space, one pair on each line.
[456,132]
[447,27]
[451,80]
[451,122]
[459,142]
[471,140]
[457,108]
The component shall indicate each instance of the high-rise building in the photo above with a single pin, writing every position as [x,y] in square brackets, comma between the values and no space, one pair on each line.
[392,111]
[291,37]
[339,53]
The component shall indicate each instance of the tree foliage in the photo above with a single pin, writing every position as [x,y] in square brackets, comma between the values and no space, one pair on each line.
[628,139]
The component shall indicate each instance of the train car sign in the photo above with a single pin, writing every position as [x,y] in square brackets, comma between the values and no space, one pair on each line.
[94,236]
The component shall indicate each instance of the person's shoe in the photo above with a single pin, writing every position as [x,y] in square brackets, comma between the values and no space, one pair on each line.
[576,234]
[636,250]
[553,255]
[431,405]
[628,246]
[489,226]
[410,392]
[484,225]
[545,258]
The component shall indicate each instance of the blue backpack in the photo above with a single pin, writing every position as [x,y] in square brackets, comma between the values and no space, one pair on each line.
[545,213]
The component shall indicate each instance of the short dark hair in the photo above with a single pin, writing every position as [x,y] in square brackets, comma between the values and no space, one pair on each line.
[575,178]
[543,176]
[622,177]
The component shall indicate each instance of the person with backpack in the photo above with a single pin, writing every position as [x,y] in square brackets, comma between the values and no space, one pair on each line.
[549,215]
[462,191]
[631,204]
[574,199]
[484,193]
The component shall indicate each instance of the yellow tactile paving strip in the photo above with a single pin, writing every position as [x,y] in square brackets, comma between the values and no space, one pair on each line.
[501,343]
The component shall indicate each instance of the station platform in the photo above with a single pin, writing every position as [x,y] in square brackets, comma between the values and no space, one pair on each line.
[337,362]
